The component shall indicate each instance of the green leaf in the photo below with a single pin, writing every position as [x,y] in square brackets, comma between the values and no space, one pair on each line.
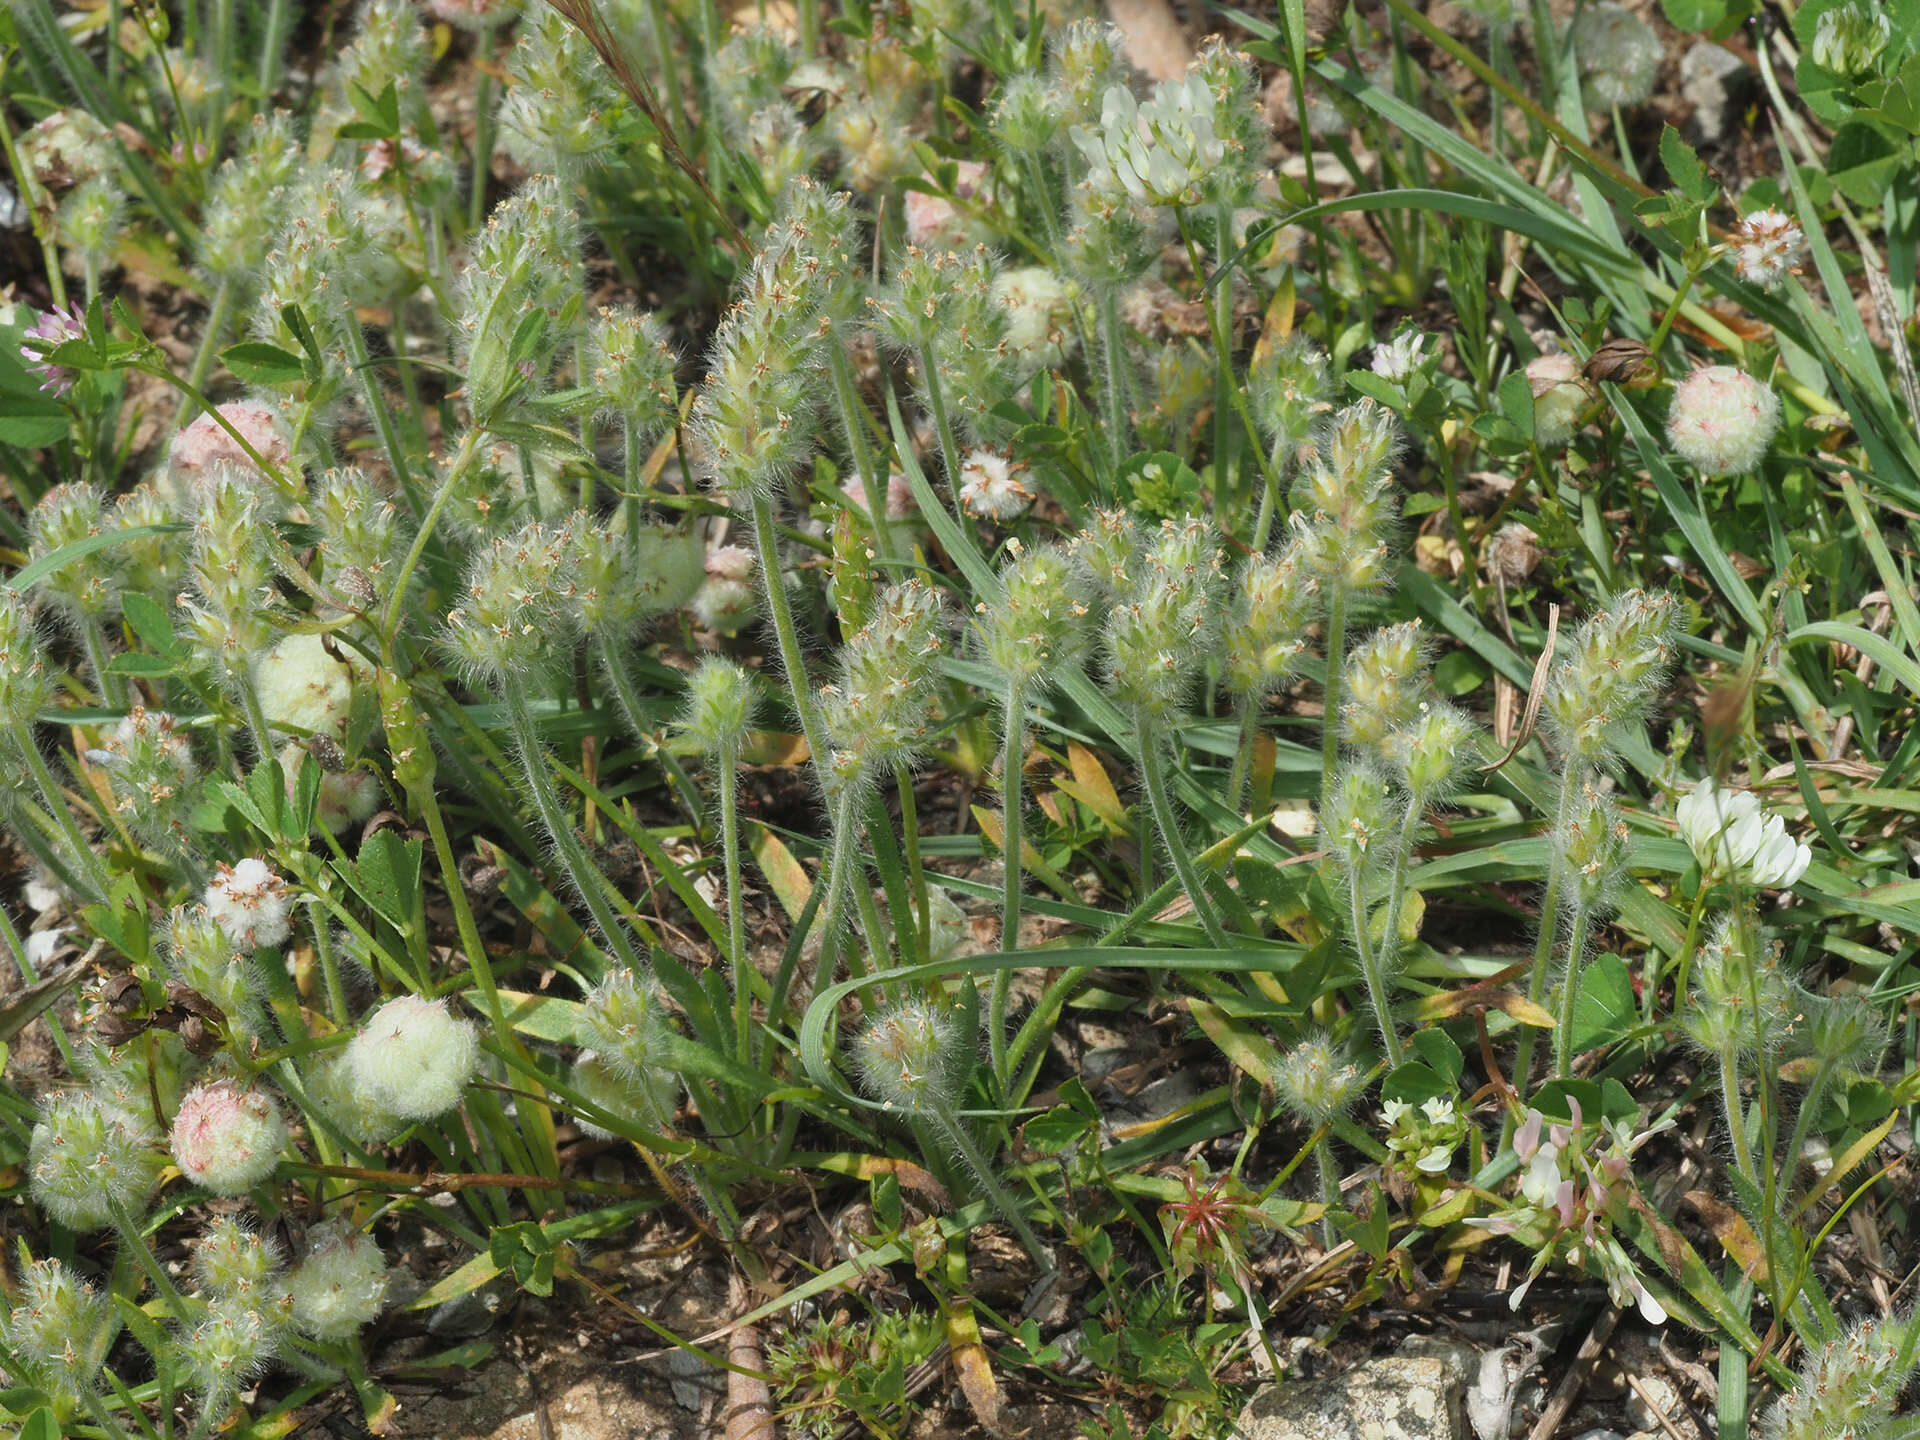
[1604,1010]
[53,560]
[33,424]
[1684,168]
[258,363]
[387,875]
[40,1426]
[147,618]
[1436,1047]
[1863,159]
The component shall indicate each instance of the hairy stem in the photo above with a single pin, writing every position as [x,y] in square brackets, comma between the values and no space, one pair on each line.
[1153,773]
[1371,969]
[767,540]
[1570,990]
[1336,649]
[990,1186]
[1010,842]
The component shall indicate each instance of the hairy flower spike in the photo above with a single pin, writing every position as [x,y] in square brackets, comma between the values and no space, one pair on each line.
[1289,391]
[1611,674]
[562,111]
[234,1262]
[1359,825]
[1345,500]
[1160,635]
[1275,600]
[1384,685]
[1591,851]
[721,701]
[1432,750]
[89,1158]
[59,1329]
[878,709]
[628,1025]
[517,603]
[1742,1004]
[1038,624]
[1315,1079]
[1849,1386]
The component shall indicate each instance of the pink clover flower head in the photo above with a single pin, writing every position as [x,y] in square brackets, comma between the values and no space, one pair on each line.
[205,443]
[1723,420]
[933,218]
[55,327]
[228,1139]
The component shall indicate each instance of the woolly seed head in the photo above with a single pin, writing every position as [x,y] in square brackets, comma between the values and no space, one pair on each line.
[1741,1003]
[879,707]
[340,1285]
[305,688]
[1431,752]
[1722,420]
[88,1157]
[1038,623]
[414,1057]
[1846,1031]
[721,701]
[1358,827]
[1315,1079]
[228,1139]
[1275,599]
[1619,55]
[1025,119]
[1767,244]
[990,488]
[1040,333]
[1087,56]
[909,1057]
[334,1087]
[562,111]
[59,1327]
[250,904]
[1384,684]
[236,1262]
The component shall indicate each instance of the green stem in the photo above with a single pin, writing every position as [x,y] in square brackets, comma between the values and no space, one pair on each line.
[580,868]
[1397,883]
[1673,311]
[767,539]
[143,1255]
[1549,933]
[1570,991]
[1687,946]
[218,314]
[112,694]
[1730,1101]
[329,964]
[256,718]
[482,147]
[1012,753]
[1329,1192]
[736,913]
[847,398]
[1113,390]
[916,868]
[1161,804]
[361,363]
[396,601]
[990,1186]
[272,43]
[92,871]
[1336,648]
[1370,969]
[1243,751]
[949,447]
[666,42]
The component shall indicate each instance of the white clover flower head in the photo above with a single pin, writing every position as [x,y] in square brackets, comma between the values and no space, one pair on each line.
[228,1138]
[1849,39]
[1396,360]
[306,688]
[1722,420]
[1730,835]
[1157,153]
[340,1285]
[1560,398]
[250,904]
[1766,245]
[414,1057]
[1619,55]
[1425,1137]
[990,488]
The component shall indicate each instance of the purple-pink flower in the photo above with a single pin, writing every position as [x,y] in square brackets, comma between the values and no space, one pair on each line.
[55,327]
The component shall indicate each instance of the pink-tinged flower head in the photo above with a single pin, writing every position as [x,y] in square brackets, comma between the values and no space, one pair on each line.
[1766,246]
[1722,420]
[55,327]
[730,562]
[932,219]
[206,442]
[228,1139]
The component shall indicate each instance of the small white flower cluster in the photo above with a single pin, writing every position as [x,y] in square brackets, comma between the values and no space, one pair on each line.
[1766,245]
[990,488]
[1730,835]
[249,903]
[1396,360]
[1428,1135]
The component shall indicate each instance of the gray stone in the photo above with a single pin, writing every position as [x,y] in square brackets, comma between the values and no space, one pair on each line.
[1716,84]
[1415,1396]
